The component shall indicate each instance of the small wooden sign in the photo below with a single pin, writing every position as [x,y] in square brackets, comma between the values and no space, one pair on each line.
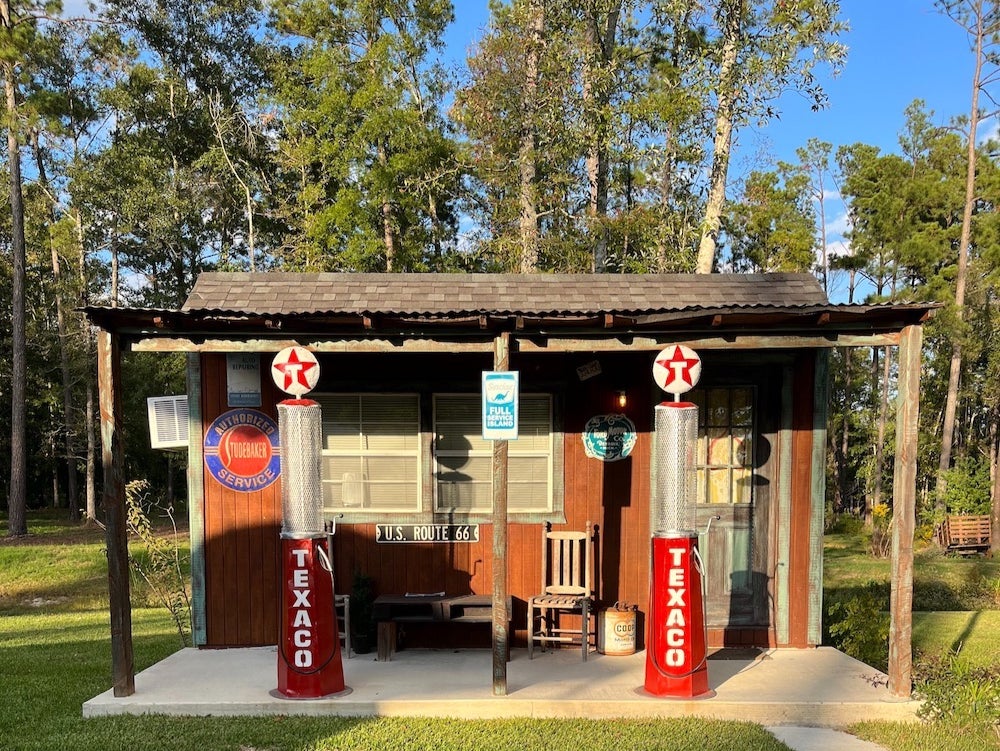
[426,533]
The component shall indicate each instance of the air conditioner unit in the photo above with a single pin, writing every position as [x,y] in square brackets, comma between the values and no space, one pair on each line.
[168,421]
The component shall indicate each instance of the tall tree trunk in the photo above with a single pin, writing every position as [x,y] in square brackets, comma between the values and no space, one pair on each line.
[842,477]
[666,243]
[388,232]
[526,157]
[995,484]
[215,110]
[436,229]
[955,367]
[54,452]
[68,431]
[115,272]
[91,449]
[883,418]
[388,236]
[17,522]
[90,357]
[824,254]
[601,38]
[722,144]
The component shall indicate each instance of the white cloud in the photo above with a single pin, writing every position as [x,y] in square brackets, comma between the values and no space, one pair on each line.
[989,130]
[838,249]
[838,226]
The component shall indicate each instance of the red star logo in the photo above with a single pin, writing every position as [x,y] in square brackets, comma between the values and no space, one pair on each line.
[295,370]
[679,366]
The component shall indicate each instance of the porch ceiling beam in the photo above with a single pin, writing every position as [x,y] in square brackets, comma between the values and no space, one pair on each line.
[624,342]
[160,344]
[526,342]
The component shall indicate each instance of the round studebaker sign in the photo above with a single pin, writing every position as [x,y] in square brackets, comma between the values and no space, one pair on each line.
[242,450]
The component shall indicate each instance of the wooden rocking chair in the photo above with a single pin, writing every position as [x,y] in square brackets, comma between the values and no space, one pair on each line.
[566,561]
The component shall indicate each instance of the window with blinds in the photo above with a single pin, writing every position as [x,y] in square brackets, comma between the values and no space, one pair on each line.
[463,461]
[725,444]
[371,452]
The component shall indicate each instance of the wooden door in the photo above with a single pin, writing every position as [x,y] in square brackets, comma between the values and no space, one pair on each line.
[738,432]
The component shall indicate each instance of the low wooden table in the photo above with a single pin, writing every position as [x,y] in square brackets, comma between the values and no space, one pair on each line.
[391,610]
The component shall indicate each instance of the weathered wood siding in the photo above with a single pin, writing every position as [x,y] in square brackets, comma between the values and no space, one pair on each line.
[241,536]
[242,529]
[799,523]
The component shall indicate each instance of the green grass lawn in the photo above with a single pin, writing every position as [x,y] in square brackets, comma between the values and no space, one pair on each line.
[55,568]
[54,662]
[956,604]
[973,633]
[939,582]
[55,652]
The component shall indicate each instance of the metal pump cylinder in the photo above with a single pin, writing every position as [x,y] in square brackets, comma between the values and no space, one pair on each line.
[300,427]
[673,503]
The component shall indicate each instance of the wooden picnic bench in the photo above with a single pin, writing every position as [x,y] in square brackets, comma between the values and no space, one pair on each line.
[965,534]
[392,610]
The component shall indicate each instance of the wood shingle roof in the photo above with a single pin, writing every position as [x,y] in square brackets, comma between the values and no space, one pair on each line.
[344,310]
[449,295]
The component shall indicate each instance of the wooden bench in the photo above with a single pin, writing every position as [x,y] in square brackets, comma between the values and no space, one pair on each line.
[966,534]
[391,610]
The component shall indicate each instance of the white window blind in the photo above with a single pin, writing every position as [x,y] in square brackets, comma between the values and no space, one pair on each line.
[463,461]
[371,452]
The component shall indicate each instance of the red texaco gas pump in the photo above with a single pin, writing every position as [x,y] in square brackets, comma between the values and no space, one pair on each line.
[309,659]
[676,641]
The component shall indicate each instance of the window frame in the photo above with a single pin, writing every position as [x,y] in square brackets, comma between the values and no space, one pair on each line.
[704,468]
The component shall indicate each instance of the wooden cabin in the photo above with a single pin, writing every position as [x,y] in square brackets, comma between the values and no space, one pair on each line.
[402,356]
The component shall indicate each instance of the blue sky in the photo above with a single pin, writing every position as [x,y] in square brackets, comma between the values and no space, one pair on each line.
[899,50]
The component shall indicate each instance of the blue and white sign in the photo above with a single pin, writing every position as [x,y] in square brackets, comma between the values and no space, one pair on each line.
[243,380]
[500,399]
[609,438]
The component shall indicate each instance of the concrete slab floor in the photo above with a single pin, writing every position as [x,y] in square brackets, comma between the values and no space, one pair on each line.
[814,687]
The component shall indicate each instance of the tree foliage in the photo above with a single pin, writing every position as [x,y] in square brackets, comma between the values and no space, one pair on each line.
[155,140]
[369,174]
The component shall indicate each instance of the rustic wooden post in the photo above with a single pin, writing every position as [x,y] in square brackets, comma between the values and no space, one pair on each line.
[904,492]
[501,361]
[109,384]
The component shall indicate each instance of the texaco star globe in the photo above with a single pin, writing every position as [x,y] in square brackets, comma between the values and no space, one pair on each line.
[677,369]
[295,371]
